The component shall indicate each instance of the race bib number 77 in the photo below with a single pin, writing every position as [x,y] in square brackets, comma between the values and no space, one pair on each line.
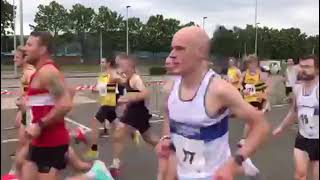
[190,153]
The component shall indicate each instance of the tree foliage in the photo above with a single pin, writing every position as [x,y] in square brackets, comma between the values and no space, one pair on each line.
[272,43]
[52,18]
[84,25]
[6,17]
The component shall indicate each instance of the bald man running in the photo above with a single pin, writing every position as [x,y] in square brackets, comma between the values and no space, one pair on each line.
[196,120]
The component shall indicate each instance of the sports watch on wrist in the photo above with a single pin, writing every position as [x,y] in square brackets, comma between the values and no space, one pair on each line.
[238,158]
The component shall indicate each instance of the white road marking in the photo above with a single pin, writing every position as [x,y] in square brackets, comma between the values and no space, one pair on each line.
[280,105]
[85,128]
[9,141]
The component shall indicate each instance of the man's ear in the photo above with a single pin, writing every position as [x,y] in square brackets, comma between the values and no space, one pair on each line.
[43,50]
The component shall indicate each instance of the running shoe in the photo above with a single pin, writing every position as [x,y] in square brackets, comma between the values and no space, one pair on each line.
[115,168]
[9,177]
[91,155]
[136,137]
[99,171]
[115,172]
[79,136]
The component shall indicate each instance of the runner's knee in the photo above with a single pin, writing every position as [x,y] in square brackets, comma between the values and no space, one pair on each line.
[118,135]
[300,174]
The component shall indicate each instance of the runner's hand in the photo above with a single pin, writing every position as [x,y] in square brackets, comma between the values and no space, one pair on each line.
[227,171]
[123,100]
[163,148]
[277,131]
[21,103]
[33,130]
[18,119]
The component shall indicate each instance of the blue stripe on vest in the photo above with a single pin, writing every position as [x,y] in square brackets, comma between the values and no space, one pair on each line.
[206,134]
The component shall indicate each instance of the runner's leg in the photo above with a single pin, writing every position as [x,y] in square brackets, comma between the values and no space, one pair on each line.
[29,171]
[150,138]
[315,170]
[119,137]
[94,134]
[301,161]
[52,175]
[76,162]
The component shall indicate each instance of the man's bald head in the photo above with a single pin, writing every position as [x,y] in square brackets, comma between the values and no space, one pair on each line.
[190,49]
[197,38]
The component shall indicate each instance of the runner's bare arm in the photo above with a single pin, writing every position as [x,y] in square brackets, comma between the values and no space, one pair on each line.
[72,92]
[52,80]
[238,75]
[116,77]
[242,79]
[166,89]
[267,80]
[291,117]
[28,73]
[231,98]
[137,83]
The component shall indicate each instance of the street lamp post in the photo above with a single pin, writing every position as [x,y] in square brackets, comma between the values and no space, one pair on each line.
[21,24]
[255,22]
[100,44]
[256,40]
[127,29]
[203,21]
[313,50]
[14,37]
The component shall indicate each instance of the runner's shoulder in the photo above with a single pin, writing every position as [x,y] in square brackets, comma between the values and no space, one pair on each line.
[168,84]
[135,78]
[49,71]
[217,84]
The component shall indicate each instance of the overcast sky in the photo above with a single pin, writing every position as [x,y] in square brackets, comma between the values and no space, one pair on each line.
[278,14]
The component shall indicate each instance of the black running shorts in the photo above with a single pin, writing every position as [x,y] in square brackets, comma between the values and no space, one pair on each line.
[257,105]
[48,157]
[106,113]
[137,116]
[310,146]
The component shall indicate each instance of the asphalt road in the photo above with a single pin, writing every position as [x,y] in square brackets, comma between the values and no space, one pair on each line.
[274,159]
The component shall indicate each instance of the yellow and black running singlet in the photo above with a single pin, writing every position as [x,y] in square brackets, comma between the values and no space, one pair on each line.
[107,90]
[254,85]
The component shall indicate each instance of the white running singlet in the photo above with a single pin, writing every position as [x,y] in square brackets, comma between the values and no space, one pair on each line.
[308,112]
[201,141]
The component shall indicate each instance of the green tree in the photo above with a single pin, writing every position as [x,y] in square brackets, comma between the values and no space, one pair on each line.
[6,20]
[191,23]
[158,32]
[52,18]
[81,22]
[223,42]
[6,17]
[135,30]
[111,25]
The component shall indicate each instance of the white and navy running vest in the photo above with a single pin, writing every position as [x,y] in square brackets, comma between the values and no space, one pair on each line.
[308,112]
[201,141]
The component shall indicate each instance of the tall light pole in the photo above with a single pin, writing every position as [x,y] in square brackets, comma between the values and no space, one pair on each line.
[203,21]
[14,37]
[100,44]
[255,23]
[128,29]
[313,50]
[256,40]
[21,24]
